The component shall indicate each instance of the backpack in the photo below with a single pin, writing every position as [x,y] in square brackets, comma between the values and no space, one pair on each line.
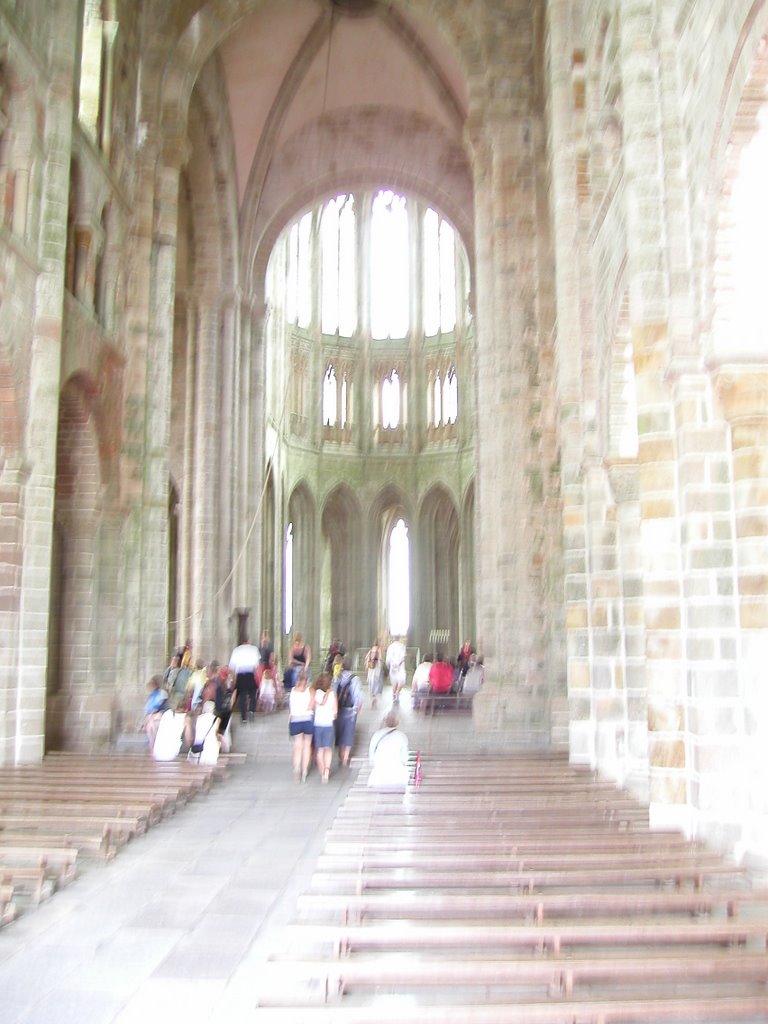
[346,697]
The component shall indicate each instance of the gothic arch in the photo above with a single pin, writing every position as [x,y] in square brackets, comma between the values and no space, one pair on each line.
[438,567]
[74,603]
[410,155]
[390,505]
[343,568]
[302,517]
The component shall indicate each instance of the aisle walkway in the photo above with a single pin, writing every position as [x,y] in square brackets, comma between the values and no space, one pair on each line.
[175,928]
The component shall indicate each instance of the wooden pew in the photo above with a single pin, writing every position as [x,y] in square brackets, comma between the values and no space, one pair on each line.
[58,863]
[419,904]
[550,937]
[637,1010]
[98,843]
[559,976]
[479,863]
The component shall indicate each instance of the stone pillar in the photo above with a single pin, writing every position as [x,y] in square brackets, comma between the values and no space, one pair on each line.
[146,430]
[742,391]
[573,340]
[44,368]
[660,526]
[510,614]
[203,485]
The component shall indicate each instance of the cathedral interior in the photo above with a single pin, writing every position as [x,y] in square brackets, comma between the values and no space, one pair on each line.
[429,318]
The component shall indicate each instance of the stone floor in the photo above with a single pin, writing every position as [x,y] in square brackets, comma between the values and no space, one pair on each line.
[176,927]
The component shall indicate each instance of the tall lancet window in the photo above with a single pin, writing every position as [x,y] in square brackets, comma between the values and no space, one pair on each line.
[390,266]
[439,275]
[450,397]
[398,580]
[437,400]
[390,401]
[339,267]
[329,397]
[298,286]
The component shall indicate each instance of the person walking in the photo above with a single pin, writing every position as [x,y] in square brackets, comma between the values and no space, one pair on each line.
[301,714]
[326,710]
[375,672]
[243,663]
[396,653]
[349,694]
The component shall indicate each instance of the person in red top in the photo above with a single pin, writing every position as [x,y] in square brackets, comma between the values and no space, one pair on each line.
[440,676]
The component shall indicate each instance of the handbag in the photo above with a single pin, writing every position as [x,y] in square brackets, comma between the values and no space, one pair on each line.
[197,748]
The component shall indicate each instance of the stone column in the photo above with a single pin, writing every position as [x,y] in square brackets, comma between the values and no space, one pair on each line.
[660,513]
[202,487]
[509,592]
[574,339]
[27,718]
[146,431]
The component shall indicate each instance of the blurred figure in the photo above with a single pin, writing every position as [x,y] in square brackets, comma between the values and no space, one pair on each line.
[388,755]
[301,715]
[349,694]
[396,653]
[375,672]
[326,710]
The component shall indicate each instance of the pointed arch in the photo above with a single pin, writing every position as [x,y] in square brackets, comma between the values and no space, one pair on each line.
[438,565]
[342,539]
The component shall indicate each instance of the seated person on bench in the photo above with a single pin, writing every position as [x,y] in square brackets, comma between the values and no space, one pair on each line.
[441,676]
[156,704]
[388,755]
[420,681]
[474,678]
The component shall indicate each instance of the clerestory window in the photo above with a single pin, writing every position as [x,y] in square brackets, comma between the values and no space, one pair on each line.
[336,404]
[390,266]
[391,401]
[439,275]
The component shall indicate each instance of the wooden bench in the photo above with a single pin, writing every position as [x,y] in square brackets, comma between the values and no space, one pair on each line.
[559,976]
[479,863]
[584,1011]
[550,937]
[97,843]
[418,904]
[431,703]
[649,874]
[58,863]
[32,883]
[615,842]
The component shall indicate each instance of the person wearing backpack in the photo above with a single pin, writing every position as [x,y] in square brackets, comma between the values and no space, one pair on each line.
[349,694]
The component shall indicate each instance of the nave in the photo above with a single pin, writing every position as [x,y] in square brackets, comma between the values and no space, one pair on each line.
[505,888]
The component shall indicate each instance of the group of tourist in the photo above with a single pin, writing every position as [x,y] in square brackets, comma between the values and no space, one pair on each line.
[189,707]
[323,715]
[463,675]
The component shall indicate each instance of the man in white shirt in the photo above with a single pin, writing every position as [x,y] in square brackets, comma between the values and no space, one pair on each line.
[396,665]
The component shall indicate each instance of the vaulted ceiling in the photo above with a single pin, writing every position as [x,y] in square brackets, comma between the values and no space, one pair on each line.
[296,62]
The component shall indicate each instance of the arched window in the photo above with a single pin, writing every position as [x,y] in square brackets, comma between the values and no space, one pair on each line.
[450,397]
[288,580]
[750,227]
[439,275]
[329,397]
[338,261]
[398,580]
[437,403]
[298,285]
[390,266]
[98,33]
[390,401]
